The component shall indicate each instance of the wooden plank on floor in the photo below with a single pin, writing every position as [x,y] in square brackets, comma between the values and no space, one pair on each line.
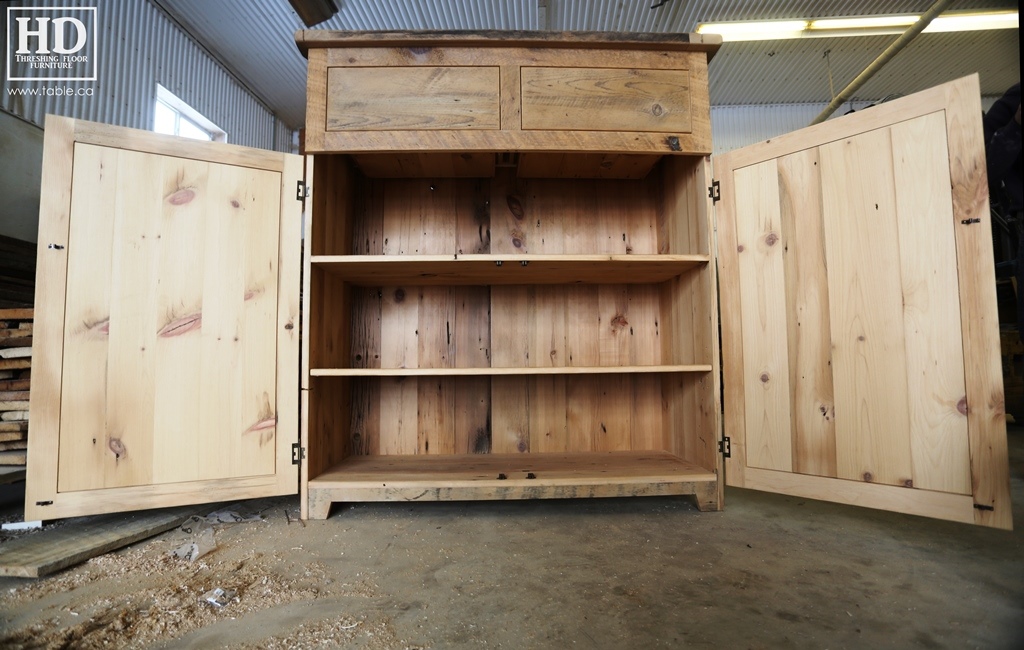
[78,540]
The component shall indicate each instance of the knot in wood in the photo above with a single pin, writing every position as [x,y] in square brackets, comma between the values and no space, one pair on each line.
[765,377]
[657,110]
[115,445]
[962,405]
[399,295]
[868,477]
[771,239]
[181,197]
[515,206]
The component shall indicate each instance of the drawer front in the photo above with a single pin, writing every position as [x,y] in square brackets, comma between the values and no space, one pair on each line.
[606,99]
[413,98]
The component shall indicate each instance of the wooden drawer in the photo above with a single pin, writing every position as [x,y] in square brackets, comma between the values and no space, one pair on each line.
[605,99]
[413,98]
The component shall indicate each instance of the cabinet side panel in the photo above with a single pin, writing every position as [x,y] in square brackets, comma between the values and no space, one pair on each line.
[682,219]
[48,333]
[329,437]
[334,206]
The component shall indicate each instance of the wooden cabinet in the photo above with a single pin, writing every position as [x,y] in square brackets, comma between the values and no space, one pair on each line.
[511,290]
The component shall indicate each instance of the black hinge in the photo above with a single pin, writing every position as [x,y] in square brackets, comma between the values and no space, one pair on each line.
[968,222]
[725,446]
[301,191]
[715,192]
[298,453]
[44,503]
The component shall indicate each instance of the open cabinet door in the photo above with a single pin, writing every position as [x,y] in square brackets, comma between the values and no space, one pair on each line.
[860,340]
[166,350]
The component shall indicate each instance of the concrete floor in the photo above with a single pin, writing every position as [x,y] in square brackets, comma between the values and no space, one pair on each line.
[769,572]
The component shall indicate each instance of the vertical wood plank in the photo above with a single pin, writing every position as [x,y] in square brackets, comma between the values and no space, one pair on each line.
[436,411]
[939,443]
[133,325]
[510,415]
[548,412]
[810,346]
[644,324]
[256,197]
[613,335]
[435,329]
[583,319]
[580,416]
[546,326]
[223,320]
[367,305]
[399,321]
[472,350]
[866,310]
[472,415]
[613,411]
[177,428]
[511,325]
[511,214]
[86,315]
[762,310]
[986,421]
[398,415]
[646,420]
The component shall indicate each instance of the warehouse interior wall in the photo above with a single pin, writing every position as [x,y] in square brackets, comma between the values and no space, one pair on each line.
[20,169]
[139,46]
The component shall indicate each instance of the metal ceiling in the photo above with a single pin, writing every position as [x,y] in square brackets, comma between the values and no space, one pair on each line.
[255,40]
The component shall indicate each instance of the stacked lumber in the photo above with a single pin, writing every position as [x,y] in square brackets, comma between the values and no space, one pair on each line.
[15,375]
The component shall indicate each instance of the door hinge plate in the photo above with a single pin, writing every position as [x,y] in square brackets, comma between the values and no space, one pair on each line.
[725,446]
[301,191]
[715,192]
[298,453]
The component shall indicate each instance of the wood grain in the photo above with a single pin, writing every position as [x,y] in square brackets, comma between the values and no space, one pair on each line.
[763,312]
[412,98]
[869,359]
[605,99]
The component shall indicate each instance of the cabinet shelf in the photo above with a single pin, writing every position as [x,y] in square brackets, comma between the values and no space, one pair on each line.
[508,476]
[490,372]
[380,270]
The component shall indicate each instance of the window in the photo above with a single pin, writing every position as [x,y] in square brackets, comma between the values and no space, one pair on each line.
[175,117]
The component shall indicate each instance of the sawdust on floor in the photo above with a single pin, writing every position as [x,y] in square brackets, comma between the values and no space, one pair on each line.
[145,597]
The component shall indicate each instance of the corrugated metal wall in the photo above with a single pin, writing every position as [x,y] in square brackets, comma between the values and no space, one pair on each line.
[139,47]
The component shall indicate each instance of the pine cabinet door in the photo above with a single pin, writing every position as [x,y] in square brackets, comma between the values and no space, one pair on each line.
[860,338]
[166,357]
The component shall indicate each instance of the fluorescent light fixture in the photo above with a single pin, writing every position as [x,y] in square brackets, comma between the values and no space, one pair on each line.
[857,26]
[756,30]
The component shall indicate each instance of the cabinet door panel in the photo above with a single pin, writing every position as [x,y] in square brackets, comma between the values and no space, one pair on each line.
[859,329]
[178,308]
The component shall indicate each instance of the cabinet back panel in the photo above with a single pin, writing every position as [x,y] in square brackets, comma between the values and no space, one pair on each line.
[507,214]
[537,414]
[575,325]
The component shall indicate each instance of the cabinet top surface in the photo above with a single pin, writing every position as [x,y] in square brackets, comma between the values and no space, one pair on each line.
[316,38]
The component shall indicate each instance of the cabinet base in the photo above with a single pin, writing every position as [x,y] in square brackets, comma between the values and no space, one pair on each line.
[510,476]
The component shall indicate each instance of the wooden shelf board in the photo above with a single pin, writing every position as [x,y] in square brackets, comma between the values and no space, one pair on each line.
[481,471]
[381,270]
[485,372]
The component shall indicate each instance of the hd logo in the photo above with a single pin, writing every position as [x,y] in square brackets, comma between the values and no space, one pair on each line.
[51,44]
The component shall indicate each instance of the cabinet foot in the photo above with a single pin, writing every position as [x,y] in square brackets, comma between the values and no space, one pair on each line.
[319,505]
[708,497]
